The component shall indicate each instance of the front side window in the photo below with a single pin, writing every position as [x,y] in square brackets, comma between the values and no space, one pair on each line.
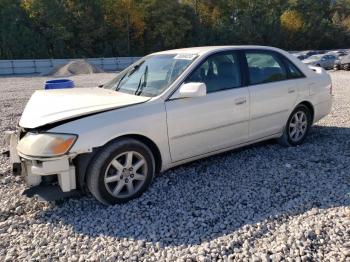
[151,75]
[264,67]
[218,72]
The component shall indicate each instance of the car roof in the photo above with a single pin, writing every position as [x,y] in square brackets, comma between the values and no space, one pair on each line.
[201,50]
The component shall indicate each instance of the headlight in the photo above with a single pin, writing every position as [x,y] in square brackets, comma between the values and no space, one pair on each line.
[46,144]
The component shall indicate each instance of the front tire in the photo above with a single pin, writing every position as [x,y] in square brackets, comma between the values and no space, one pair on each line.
[122,171]
[297,127]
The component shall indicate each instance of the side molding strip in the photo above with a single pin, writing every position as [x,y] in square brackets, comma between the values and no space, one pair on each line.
[267,115]
[209,129]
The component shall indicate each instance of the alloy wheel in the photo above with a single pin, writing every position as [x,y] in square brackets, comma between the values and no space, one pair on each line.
[298,126]
[126,174]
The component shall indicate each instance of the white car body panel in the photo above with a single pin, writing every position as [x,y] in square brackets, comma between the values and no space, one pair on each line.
[49,106]
[183,129]
[270,106]
[116,123]
[197,132]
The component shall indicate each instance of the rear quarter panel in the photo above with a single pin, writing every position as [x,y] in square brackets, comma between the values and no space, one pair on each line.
[316,90]
[320,95]
[313,88]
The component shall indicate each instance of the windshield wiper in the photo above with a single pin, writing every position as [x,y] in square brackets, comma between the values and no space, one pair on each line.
[135,68]
[128,74]
[142,84]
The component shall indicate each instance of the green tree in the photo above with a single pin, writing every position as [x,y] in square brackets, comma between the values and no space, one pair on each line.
[168,24]
[95,28]
[126,25]
[18,38]
[48,20]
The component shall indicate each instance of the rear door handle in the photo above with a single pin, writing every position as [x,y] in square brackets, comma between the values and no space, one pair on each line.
[241,101]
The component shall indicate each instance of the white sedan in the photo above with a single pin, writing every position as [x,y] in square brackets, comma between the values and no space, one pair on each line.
[166,109]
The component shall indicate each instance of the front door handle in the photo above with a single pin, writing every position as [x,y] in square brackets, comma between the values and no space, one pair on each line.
[291,90]
[241,101]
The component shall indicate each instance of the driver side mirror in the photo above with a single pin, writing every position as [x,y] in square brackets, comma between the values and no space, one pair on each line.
[192,90]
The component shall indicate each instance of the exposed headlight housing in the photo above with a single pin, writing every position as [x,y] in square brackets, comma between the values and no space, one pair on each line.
[46,144]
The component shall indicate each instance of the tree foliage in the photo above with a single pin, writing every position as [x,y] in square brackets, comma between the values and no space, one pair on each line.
[97,28]
[292,21]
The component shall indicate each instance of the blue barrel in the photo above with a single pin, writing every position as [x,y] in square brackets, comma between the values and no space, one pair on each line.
[59,84]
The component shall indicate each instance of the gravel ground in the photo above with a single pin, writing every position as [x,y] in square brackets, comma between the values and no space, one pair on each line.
[261,203]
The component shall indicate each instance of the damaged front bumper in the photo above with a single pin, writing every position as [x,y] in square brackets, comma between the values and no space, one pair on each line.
[11,140]
[34,169]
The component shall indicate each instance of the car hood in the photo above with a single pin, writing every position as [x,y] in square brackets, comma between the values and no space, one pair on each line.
[50,106]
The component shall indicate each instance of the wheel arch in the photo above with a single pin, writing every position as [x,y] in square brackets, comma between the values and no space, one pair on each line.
[283,140]
[83,161]
[310,107]
[150,144]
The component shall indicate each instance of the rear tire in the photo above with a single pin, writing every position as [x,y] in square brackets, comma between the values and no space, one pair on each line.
[297,127]
[122,171]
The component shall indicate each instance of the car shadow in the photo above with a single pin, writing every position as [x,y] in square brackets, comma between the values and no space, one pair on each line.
[216,196]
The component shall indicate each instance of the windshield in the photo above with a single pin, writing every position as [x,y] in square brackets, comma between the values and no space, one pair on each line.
[151,75]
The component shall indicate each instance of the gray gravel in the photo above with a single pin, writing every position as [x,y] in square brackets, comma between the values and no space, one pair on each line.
[261,203]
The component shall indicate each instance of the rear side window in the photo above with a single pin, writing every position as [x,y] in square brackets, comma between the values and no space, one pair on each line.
[294,72]
[264,67]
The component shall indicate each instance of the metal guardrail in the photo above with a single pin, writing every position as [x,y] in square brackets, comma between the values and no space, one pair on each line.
[43,66]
